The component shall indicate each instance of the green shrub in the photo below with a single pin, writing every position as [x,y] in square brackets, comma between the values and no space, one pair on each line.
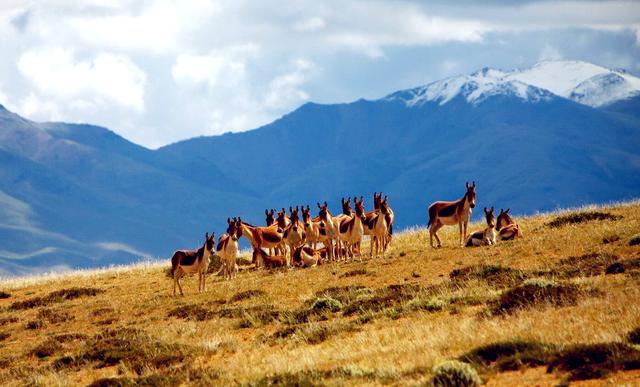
[453,373]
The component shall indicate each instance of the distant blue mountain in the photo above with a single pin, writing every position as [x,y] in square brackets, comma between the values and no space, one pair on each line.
[81,196]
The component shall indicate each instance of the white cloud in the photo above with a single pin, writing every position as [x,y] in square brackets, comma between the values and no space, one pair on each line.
[550,53]
[107,78]
[310,24]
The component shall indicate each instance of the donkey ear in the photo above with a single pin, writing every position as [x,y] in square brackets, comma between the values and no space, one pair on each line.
[507,210]
[319,205]
[466,184]
[485,210]
[206,235]
[229,220]
[474,184]
[266,212]
[325,203]
[491,208]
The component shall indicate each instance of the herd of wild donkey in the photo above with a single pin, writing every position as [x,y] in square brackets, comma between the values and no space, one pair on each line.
[291,242]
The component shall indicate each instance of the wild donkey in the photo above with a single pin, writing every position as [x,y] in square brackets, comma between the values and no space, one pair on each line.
[263,237]
[331,229]
[228,247]
[351,230]
[507,228]
[451,213]
[487,236]
[312,228]
[294,234]
[192,261]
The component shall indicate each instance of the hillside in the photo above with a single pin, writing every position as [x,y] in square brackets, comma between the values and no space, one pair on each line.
[78,195]
[545,299]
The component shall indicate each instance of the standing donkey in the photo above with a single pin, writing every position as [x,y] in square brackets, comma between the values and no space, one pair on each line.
[192,261]
[228,247]
[452,213]
[507,228]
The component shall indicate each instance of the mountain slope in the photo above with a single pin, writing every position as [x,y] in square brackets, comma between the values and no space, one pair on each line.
[79,195]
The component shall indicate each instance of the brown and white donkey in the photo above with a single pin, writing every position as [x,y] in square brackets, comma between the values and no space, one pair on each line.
[452,213]
[192,261]
[507,228]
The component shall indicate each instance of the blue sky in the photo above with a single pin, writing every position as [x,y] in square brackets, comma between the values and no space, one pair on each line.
[159,71]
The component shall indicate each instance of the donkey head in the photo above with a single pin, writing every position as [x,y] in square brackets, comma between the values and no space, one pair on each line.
[471,194]
[209,242]
[346,206]
[377,198]
[270,217]
[504,219]
[232,228]
[324,212]
[491,220]
[360,208]
[282,219]
[295,218]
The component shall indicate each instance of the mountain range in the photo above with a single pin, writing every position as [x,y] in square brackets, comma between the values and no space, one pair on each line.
[557,134]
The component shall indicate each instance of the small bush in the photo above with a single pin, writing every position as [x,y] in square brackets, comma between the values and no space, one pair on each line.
[4,336]
[326,303]
[610,238]
[615,268]
[537,292]
[248,294]
[4,295]
[593,361]
[592,264]
[581,217]
[53,316]
[635,240]
[134,348]
[47,348]
[355,272]
[510,355]
[494,275]
[455,373]
[34,324]
[8,320]
[634,336]
[431,305]
[55,297]
[192,312]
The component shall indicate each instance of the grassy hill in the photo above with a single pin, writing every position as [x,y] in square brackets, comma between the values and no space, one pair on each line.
[541,309]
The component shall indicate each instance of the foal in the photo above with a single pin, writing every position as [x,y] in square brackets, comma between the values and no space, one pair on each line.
[261,258]
[487,236]
[451,213]
[507,228]
[192,261]
[228,247]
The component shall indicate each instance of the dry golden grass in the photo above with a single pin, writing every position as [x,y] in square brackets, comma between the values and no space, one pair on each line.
[264,326]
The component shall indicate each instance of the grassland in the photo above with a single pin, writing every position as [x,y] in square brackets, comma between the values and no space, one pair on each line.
[541,310]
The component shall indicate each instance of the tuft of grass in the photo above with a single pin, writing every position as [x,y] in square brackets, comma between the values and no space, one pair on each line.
[586,265]
[54,316]
[4,336]
[34,324]
[344,294]
[254,316]
[615,268]
[326,303]
[247,295]
[46,348]
[535,292]
[134,348]
[611,238]
[454,373]
[55,297]
[635,240]
[595,361]
[511,355]
[495,275]
[353,273]
[433,304]
[177,377]
[192,312]
[310,333]
[634,336]
[8,320]
[581,217]
[4,295]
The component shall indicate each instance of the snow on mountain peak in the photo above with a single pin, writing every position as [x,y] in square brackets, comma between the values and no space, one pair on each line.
[581,82]
[475,88]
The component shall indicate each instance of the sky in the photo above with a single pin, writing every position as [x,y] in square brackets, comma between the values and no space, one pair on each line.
[160,71]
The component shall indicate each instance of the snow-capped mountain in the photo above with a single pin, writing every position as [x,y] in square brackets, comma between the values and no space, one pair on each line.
[581,82]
